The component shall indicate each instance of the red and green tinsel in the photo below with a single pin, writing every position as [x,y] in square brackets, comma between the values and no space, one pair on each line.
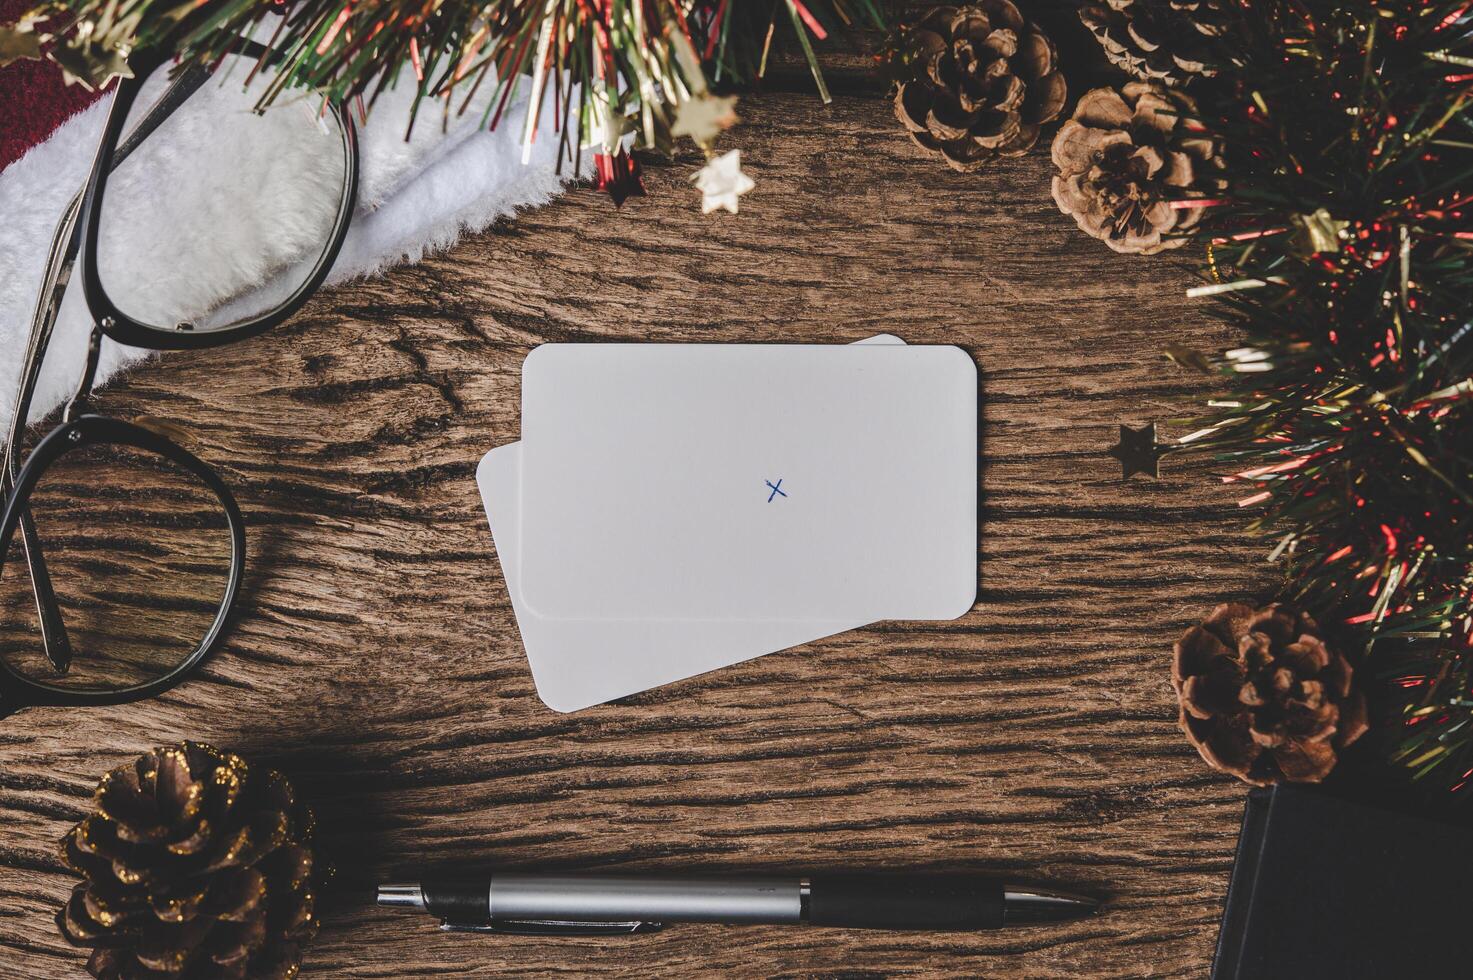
[1343,250]
[611,68]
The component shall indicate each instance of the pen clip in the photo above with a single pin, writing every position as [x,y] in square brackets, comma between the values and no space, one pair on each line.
[551,927]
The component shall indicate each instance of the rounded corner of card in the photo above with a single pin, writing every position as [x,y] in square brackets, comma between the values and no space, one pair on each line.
[558,701]
[564,699]
[483,468]
[539,354]
[966,368]
[964,603]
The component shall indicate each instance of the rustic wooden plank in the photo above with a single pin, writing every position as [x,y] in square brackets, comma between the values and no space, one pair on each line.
[376,660]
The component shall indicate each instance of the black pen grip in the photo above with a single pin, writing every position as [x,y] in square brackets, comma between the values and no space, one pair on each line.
[905,901]
[458,901]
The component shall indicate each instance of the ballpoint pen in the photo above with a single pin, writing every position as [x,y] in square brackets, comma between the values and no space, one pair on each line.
[593,904]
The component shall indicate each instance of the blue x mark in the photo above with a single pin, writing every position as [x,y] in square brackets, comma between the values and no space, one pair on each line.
[777,490]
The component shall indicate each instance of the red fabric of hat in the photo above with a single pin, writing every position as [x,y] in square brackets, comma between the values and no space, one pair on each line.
[33,98]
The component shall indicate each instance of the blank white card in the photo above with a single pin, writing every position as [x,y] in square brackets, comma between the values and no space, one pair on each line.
[745,482]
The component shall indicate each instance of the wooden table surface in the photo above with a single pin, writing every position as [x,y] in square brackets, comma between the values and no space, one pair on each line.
[376,660]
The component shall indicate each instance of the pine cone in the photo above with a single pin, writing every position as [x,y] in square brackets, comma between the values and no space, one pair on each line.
[1169,41]
[1262,696]
[197,866]
[1118,158]
[976,82]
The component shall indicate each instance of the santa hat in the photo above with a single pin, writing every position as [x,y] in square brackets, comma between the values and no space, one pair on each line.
[416,195]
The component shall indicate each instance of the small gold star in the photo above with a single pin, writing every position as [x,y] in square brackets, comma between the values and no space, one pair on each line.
[1138,451]
[721,182]
[94,69]
[609,123]
[17,44]
[704,117]
[1319,232]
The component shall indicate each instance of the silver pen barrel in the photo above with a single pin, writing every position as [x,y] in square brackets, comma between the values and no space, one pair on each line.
[574,898]
[606,898]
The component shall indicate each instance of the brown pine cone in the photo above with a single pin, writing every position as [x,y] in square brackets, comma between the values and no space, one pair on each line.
[1169,41]
[196,866]
[1262,696]
[976,82]
[1119,158]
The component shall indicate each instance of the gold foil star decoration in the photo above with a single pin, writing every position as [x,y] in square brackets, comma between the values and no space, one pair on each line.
[93,67]
[703,117]
[21,39]
[610,124]
[721,182]
[1319,232]
[1138,451]
[17,43]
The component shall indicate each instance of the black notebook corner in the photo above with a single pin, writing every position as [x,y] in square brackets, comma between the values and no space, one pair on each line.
[1323,887]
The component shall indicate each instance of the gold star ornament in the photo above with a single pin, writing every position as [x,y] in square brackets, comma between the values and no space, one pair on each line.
[610,125]
[19,41]
[703,117]
[91,65]
[721,182]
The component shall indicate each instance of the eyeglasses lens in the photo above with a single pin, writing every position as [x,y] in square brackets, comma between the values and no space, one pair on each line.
[138,552]
[221,213]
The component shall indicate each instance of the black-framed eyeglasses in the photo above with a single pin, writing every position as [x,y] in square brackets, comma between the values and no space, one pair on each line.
[121,551]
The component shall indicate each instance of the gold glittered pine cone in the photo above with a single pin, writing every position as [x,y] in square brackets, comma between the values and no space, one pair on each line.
[1170,41]
[1124,156]
[197,866]
[976,82]
[1263,697]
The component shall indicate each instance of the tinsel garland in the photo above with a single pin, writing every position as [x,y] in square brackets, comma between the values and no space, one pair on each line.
[644,66]
[1343,252]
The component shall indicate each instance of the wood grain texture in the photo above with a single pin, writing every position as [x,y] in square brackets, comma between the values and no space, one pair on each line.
[376,660]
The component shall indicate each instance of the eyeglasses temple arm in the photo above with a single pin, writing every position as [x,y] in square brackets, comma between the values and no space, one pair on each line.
[188,82]
[54,639]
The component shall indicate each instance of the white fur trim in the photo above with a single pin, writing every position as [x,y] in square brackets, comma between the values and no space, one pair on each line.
[193,194]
